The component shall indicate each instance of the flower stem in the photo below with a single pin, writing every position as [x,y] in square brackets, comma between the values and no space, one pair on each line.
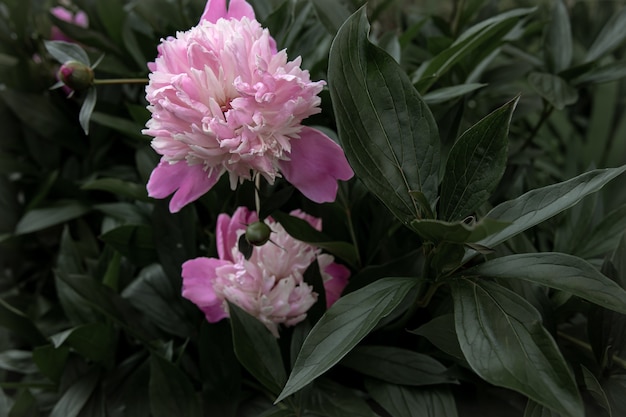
[121,81]
[586,346]
[257,187]
[545,115]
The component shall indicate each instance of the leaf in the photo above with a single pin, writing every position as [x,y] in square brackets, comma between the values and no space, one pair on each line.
[51,361]
[151,292]
[475,164]
[537,410]
[557,270]
[457,232]
[401,401]
[332,14]
[95,341]
[554,89]
[479,35]
[257,349]
[604,74]
[605,236]
[504,342]
[329,399]
[396,365]
[171,392]
[134,241]
[543,203]
[42,218]
[611,36]
[16,321]
[89,103]
[343,326]
[595,389]
[17,361]
[441,332]
[76,397]
[120,124]
[444,94]
[66,51]
[301,230]
[118,187]
[388,133]
[558,41]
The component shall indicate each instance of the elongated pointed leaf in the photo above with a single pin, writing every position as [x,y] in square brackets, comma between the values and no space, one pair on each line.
[606,236]
[257,349]
[560,271]
[554,89]
[595,389]
[504,342]
[87,108]
[476,164]
[42,218]
[611,36]
[332,14]
[74,399]
[66,51]
[456,232]
[396,365]
[171,392]
[344,325]
[402,401]
[541,204]
[388,133]
[537,410]
[558,42]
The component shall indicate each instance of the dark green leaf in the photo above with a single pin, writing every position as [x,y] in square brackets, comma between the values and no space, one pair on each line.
[603,74]
[596,390]
[16,321]
[119,187]
[42,218]
[553,89]
[448,93]
[537,410]
[557,270]
[343,326]
[257,349]
[475,165]
[74,399]
[332,14]
[112,14]
[479,35]
[120,124]
[396,365]
[301,230]
[152,293]
[5,403]
[558,42]
[605,236]
[541,204]
[457,232]
[67,51]
[504,342]
[387,131]
[402,401]
[171,392]
[330,399]
[17,361]
[441,332]
[95,341]
[133,241]
[51,361]
[87,108]
[611,36]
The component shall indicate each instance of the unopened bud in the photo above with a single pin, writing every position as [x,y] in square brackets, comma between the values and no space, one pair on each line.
[76,75]
[258,233]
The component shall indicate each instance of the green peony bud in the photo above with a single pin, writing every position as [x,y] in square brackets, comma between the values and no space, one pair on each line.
[258,233]
[76,75]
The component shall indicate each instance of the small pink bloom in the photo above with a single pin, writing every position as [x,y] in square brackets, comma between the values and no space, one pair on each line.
[224,99]
[270,284]
[79,19]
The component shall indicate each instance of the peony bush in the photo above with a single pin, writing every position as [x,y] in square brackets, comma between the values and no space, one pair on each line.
[273,208]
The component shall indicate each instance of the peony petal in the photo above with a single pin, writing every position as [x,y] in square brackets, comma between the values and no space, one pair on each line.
[198,275]
[315,166]
[337,283]
[237,9]
[227,227]
[188,183]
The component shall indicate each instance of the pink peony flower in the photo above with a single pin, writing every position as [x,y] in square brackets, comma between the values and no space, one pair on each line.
[269,285]
[78,19]
[224,100]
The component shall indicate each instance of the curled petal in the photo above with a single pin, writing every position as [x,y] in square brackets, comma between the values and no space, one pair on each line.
[188,183]
[316,164]
[198,275]
[334,286]
[216,9]
[227,228]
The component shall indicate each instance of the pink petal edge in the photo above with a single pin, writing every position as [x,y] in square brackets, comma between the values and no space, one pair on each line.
[334,286]
[198,288]
[216,9]
[188,183]
[316,164]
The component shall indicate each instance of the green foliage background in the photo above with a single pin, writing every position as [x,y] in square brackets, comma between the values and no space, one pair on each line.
[488,260]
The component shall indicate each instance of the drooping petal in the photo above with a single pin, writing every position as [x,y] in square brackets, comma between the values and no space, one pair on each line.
[334,286]
[316,164]
[188,183]
[216,9]
[198,287]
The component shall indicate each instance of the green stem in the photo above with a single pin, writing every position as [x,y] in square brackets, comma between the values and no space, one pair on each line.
[121,81]
[586,346]
[545,115]
[353,237]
